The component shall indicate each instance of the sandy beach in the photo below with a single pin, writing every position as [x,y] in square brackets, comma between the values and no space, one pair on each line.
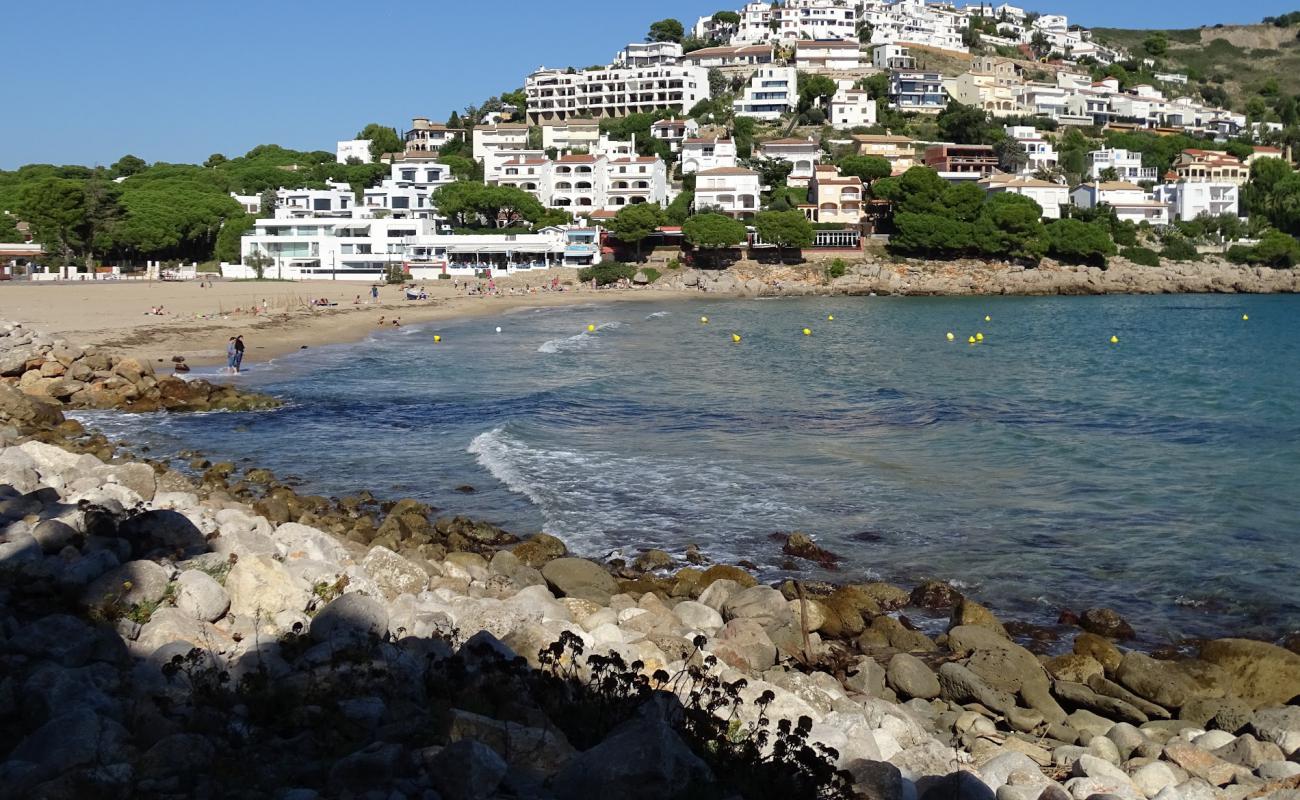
[197,322]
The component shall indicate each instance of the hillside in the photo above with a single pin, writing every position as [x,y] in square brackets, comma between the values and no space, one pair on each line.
[1243,59]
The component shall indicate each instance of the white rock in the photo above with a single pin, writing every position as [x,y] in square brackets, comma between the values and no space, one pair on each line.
[298,542]
[1153,778]
[1213,740]
[260,585]
[393,574]
[698,616]
[996,770]
[200,596]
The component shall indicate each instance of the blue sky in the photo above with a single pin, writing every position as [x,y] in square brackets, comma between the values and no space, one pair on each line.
[181,79]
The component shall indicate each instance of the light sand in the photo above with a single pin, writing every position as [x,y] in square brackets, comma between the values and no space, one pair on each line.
[199,321]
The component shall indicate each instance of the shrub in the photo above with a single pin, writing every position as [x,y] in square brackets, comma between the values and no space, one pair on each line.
[1179,249]
[1141,255]
[651,274]
[606,273]
[836,269]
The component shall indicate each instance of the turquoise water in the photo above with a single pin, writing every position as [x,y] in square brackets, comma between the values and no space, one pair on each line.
[1043,468]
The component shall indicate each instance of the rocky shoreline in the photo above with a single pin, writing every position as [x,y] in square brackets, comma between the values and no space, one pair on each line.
[914,277]
[229,637]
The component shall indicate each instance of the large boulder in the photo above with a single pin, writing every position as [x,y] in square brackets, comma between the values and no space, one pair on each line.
[763,604]
[134,583]
[1263,674]
[643,759]
[199,595]
[260,585]
[350,619]
[962,686]
[578,577]
[467,770]
[744,645]
[1106,622]
[969,612]
[393,574]
[25,412]
[910,677]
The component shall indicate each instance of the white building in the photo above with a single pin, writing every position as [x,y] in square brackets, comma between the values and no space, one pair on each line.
[1127,165]
[353,148]
[796,19]
[648,54]
[427,137]
[1130,202]
[914,22]
[728,190]
[827,55]
[555,95]
[586,182]
[1049,196]
[335,201]
[1042,155]
[892,56]
[916,91]
[1188,200]
[700,155]
[368,250]
[752,55]
[1042,99]
[801,154]
[674,131]
[405,193]
[503,137]
[771,92]
[575,134]
[852,108]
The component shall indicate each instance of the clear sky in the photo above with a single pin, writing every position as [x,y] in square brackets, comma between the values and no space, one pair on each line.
[87,81]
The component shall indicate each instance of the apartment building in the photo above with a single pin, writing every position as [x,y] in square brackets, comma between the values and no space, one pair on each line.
[1188,200]
[1042,155]
[734,191]
[1131,202]
[914,22]
[828,55]
[754,55]
[1210,166]
[701,155]
[575,134]
[674,131]
[899,151]
[336,200]
[557,95]
[801,154]
[852,108]
[834,198]
[1049,196]
[648,54]
[770,93]
[586,182]
[892,56]
[1127,165]
[427,137]
[349,149]
[983,90]
[405,193]
[796,19]
[961,161]
[916,91]
[502,137]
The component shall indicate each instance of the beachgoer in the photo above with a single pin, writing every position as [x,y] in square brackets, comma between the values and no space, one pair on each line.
[397,322]
[230,355]
[357,302]
[239,352]
[264,307]
[374,294]
[381,321]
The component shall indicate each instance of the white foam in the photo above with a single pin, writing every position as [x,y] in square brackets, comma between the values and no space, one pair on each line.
[659,314]
[580,341]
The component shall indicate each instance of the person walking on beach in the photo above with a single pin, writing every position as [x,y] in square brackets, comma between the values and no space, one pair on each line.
[374,294]
[239,352]
[230,355]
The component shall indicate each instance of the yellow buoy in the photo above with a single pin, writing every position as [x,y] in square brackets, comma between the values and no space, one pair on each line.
[950,336]
[437,338]
[735,337]
[830,318]
[979,337]
[1114,340]
[971,340]
[807,332]
[704,320]
[591,328]
[987,318]
[1245,317]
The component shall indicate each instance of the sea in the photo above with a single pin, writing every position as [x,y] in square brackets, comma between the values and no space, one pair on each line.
[1134,452]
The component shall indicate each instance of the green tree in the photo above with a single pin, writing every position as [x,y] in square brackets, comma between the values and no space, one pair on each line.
[632,224]
[1010,226]
[214,160]
[726,18]
[1277,249]
[666,30]
[920,190]
[814,91]
[1075,241]
[9,228]
[865,32]
[718,82]
[742,132]
[1011,156]
[382,140]
[785,229]
[876,86]
[931,234]
[710,233]
[867,168]
[772,172]
[679,210]
[963,124]
[228,240]
[128,165]
[1156,45]
[56,210]
[266,204]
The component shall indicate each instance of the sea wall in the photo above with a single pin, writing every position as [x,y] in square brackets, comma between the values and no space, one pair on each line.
[975,277]
[221,635]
